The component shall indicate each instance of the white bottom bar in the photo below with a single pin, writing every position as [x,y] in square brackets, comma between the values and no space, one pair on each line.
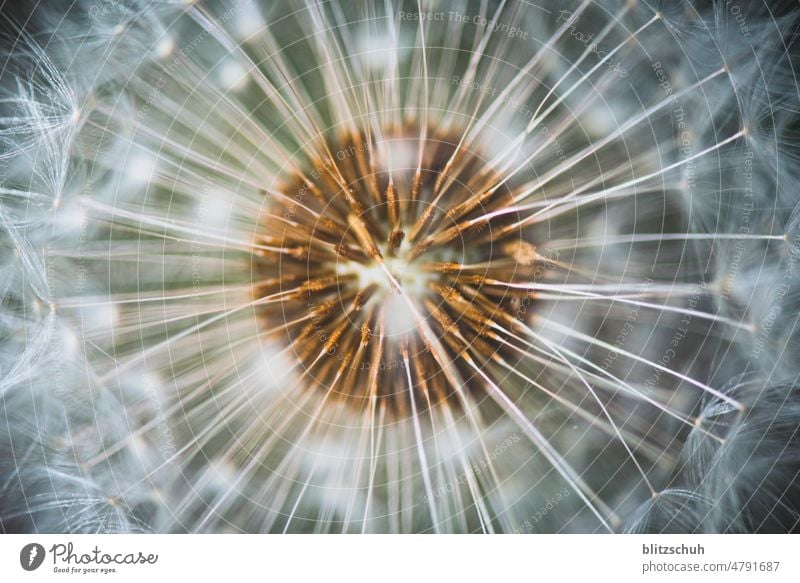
[409,558]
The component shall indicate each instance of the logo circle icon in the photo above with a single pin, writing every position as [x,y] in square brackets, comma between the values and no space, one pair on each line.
[31,556]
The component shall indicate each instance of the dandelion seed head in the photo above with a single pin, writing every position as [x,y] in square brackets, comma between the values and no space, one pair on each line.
[353,269]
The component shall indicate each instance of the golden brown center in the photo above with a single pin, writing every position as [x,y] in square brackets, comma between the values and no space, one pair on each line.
[389,275]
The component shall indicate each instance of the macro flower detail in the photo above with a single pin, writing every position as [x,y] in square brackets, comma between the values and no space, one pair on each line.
[331,266]
[374,300]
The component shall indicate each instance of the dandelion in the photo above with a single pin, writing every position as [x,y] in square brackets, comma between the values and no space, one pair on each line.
[400,267]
